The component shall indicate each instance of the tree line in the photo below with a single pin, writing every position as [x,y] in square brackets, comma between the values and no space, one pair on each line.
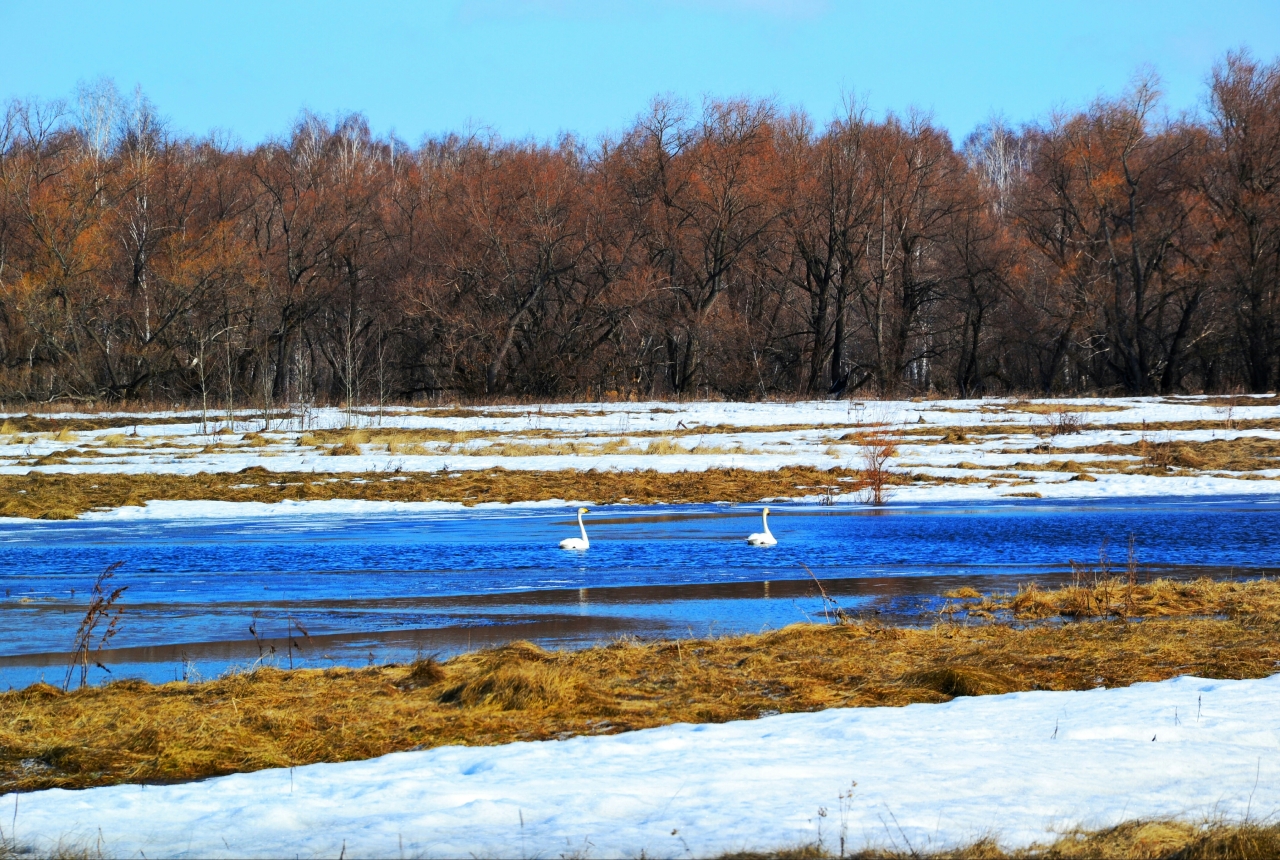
[733,249]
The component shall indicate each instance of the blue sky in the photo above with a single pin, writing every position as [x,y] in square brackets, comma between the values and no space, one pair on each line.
[538,67]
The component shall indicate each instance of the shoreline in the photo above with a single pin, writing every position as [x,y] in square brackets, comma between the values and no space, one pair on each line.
[1124,633]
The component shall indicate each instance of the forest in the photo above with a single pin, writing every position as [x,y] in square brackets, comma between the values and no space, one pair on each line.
[730,249]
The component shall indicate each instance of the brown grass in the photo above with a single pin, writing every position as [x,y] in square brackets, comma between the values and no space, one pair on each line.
[1114,596]
[397,435]
[1233,455]
[1244,454]
[53,424]
[61,496]
[1133,840]
[1226,400]
[1205,424]
[1052,408]
[1132,426]
[130,731]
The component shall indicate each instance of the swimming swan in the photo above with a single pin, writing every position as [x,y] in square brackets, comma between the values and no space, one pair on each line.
[764,538]
[577,543]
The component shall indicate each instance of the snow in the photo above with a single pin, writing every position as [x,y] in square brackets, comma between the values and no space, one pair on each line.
[1019,766]
[291,508]
[1058,485]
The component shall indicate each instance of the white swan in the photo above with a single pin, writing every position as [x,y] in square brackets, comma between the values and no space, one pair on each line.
[764,538]
[577,543]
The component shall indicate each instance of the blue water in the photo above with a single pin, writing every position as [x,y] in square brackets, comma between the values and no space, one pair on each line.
[379,587]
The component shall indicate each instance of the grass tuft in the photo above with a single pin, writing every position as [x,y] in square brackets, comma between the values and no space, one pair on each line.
[961,681]
[964,592]
[57,513]
[516,687]
[665,447]
[424,673]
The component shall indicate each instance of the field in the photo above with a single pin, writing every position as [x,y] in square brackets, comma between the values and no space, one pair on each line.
[67,464]
[641,737]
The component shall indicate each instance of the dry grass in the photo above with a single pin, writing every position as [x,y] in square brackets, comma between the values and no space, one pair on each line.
[1102,596]
[63,850]
[1133,840]
[1233,455]
[1053,466]
[1053,408]
[1156,840]
[130,731]
[64,496]
[256,440]
[664,447]
[399,436]
[1245,454]
[55,424]
[1225,400]
[1204,424]
[119,440]
[1121,426]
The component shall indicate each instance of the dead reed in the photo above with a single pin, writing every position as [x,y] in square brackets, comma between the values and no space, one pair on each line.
[131,731]
[91,637]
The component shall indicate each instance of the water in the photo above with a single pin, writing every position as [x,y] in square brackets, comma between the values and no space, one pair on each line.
[319,590]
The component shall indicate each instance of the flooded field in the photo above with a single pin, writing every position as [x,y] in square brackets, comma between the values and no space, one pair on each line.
[205,594]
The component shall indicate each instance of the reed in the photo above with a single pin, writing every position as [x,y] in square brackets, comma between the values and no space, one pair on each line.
[91,636]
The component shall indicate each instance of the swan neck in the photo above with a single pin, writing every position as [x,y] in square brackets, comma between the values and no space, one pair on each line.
[581,527]
[765,518]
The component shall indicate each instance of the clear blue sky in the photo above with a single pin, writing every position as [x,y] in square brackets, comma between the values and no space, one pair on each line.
[537,67]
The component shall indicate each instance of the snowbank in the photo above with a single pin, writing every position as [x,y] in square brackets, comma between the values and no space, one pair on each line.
[1016,766]
[291,508]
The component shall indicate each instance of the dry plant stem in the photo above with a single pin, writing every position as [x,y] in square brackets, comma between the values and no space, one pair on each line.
[829,605]
[102,607]
[130,731]
[876,449]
